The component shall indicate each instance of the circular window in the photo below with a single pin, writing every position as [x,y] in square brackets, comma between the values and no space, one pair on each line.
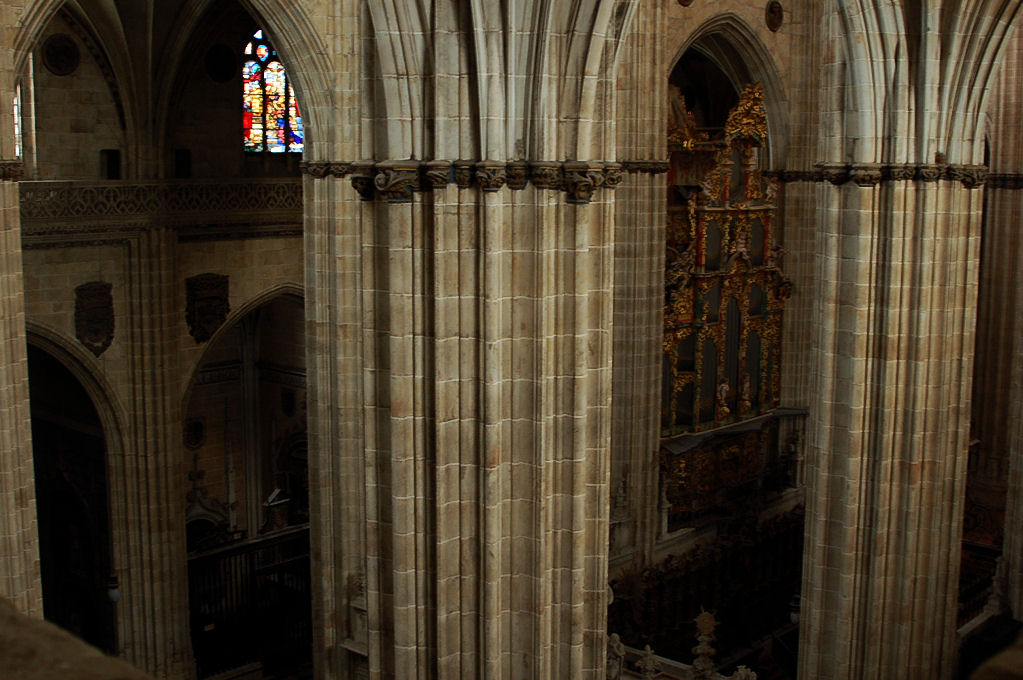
[60,54]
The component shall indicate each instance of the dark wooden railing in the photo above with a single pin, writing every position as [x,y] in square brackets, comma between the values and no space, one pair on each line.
[250,604]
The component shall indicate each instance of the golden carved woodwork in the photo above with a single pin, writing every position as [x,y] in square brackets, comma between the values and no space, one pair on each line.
[719,247]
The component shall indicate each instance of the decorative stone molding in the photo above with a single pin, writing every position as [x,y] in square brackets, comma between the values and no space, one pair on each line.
[321,169]
[872,174]
[11,170]
[613,175]
[650,167]
[490,176]
[396,180]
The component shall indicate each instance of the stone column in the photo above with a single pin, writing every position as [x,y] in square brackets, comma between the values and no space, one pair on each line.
[19,545]
[897,252]
[460,306]
[153,611]
[998,390]
[639,289]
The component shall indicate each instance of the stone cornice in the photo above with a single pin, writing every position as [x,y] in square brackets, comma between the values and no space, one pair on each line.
[11,169]
[396,181]
[872,174]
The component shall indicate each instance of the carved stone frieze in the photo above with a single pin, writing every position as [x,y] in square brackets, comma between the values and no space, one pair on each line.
[207,304]
[11,170]
[866,175]
[180,202]
[94,316]
[613,175]
[490,176]
[929,172]
[871,174]
[321,169]
[396,180]
[970,176]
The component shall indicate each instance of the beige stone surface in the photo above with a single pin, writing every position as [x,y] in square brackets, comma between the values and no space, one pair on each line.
[32,649]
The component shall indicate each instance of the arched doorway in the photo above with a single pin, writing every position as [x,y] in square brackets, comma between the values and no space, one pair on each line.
[69,453]
[247,505]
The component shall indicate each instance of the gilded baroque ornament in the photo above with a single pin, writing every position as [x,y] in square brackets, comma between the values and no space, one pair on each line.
[724,290]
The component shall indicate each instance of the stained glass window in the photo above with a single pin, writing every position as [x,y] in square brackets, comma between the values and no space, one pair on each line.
[17,121]
[270,117]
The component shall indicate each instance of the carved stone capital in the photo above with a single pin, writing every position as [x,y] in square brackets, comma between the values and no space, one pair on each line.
[581,180]
[463,173]
[836,173]
[396,180]
[613,175]
[490,175]
[930,172]
[971,176]
[436,174]
[517,174]
[11,170]
[865,174]
[546,175]
[898,172]
[363,176]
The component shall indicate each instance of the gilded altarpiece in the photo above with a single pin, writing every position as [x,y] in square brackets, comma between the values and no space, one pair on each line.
[723,301]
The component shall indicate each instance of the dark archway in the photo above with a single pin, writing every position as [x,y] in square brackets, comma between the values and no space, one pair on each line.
[247,508]
[69,452]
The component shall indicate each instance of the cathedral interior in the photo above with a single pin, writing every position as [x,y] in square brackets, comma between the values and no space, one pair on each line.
[514,339]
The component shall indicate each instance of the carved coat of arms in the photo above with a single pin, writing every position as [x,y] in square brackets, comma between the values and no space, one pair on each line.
[94,316]
[207,304]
